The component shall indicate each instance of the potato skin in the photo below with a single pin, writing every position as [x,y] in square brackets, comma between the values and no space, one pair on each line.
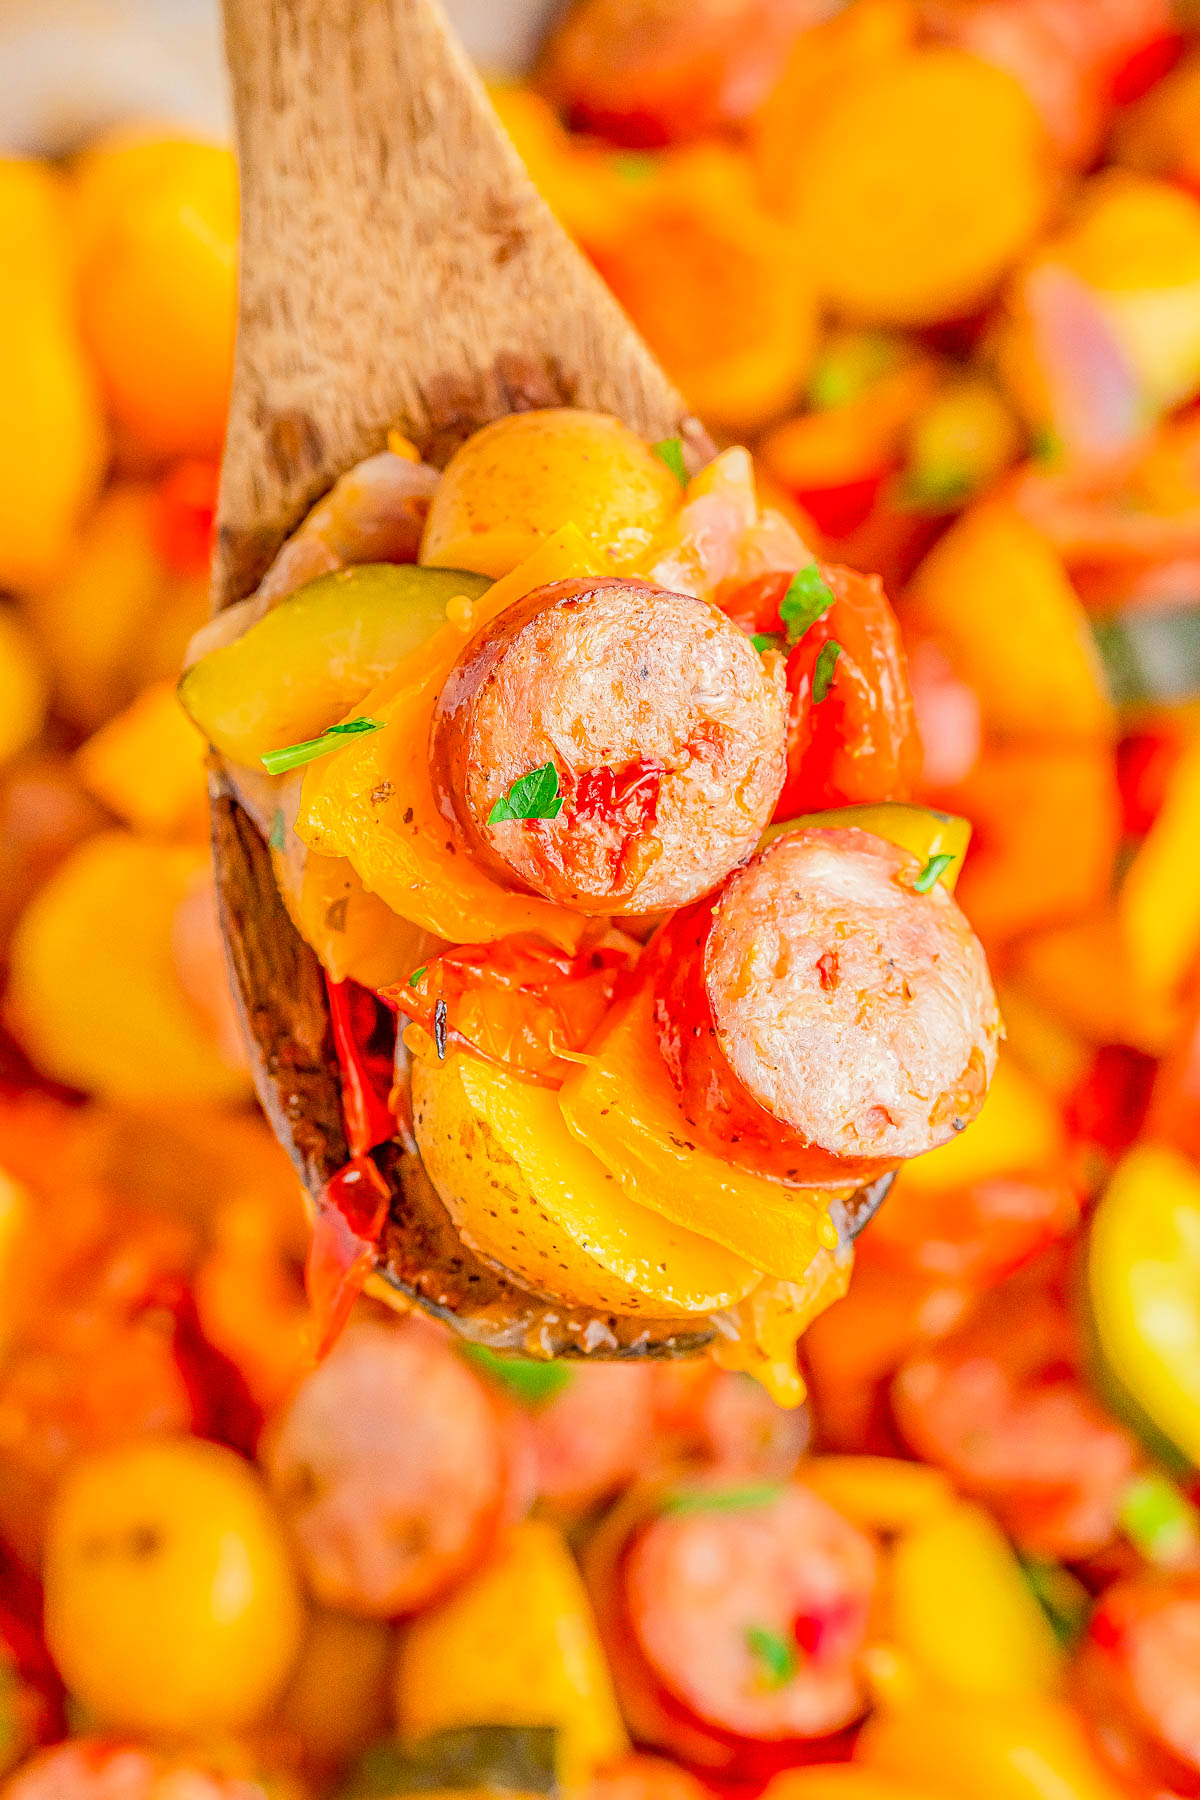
[523,476]
[523,1193]
[665,726]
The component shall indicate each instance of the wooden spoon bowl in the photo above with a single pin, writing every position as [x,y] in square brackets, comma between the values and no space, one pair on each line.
[399,269]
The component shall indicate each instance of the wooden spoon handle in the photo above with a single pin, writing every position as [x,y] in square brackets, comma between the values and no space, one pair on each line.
[398,266]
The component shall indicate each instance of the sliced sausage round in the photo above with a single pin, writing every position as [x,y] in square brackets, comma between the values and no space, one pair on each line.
[835,1011]
[641,1777]
[1137,1680]
[663,728]
[751,1616]
[103,1769]
[1000,1406]
[390,1465]
[650,72]
[596,1434]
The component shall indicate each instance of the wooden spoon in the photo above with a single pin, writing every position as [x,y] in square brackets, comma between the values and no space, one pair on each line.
[399,269]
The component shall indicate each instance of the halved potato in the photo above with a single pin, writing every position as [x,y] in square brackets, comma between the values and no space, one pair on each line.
[519,480]
[313,657]
[523,1191]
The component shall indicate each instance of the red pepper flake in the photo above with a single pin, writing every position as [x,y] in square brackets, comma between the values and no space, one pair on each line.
[625,797]
[351,1214]
[828,1631]
[1105,1631]
[827,970]
[365,1040]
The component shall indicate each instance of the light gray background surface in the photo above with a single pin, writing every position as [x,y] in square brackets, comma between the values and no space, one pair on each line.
[70,67]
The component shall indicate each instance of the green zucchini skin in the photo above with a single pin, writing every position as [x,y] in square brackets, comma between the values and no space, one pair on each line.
[1151,654]
[517,1759]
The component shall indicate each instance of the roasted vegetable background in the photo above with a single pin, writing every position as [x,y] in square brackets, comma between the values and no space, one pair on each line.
[938,263]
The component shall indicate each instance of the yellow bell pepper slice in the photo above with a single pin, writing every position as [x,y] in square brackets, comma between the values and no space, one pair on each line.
[963,1612]
[1158,905]
[356,936]
[515,1645]
[996,595]
[621,1104]
[921,829]
[960,1748]
[1143,1275]
[373,802]
[1018,1127]
[839,1781]
[883,1494]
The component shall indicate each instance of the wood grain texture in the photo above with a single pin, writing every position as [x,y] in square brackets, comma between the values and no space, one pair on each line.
[398,266]
[398,269]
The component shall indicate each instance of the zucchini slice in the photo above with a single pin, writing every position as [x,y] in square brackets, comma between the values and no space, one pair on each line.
[316,655]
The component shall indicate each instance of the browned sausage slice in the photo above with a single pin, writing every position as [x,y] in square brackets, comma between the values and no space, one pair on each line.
[751,1616]
[651,72]
[390,1465]
[857,1012]
[1137,1679]
[595,1435]
[1000,1405]
[664,726]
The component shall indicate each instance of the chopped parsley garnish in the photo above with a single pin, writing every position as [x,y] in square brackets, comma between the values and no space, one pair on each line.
[1045,445]
[532,796]
[1061,1596]
[1159,1520]
[670,454]
[826,663]
[766,640]
[933,871]
[808,598]
[531,1382]
[848,367]
[277,762]
[935,489]
[634,168]
[417,974]
[730,1499]
[775,1656]
[278,837]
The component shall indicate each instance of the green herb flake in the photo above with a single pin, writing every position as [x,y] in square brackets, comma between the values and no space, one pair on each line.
[766,640]
[934,488]
[775,1656]
[417,974]
[278,762]
[822,679]
[634,169]
[808,598]
[1159,1520]
[532,796]
[848,366]
[531,1382]
[278,837]
[728,1499]
[1061,1596]
[670,454]
[933,871]
[1045,446]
